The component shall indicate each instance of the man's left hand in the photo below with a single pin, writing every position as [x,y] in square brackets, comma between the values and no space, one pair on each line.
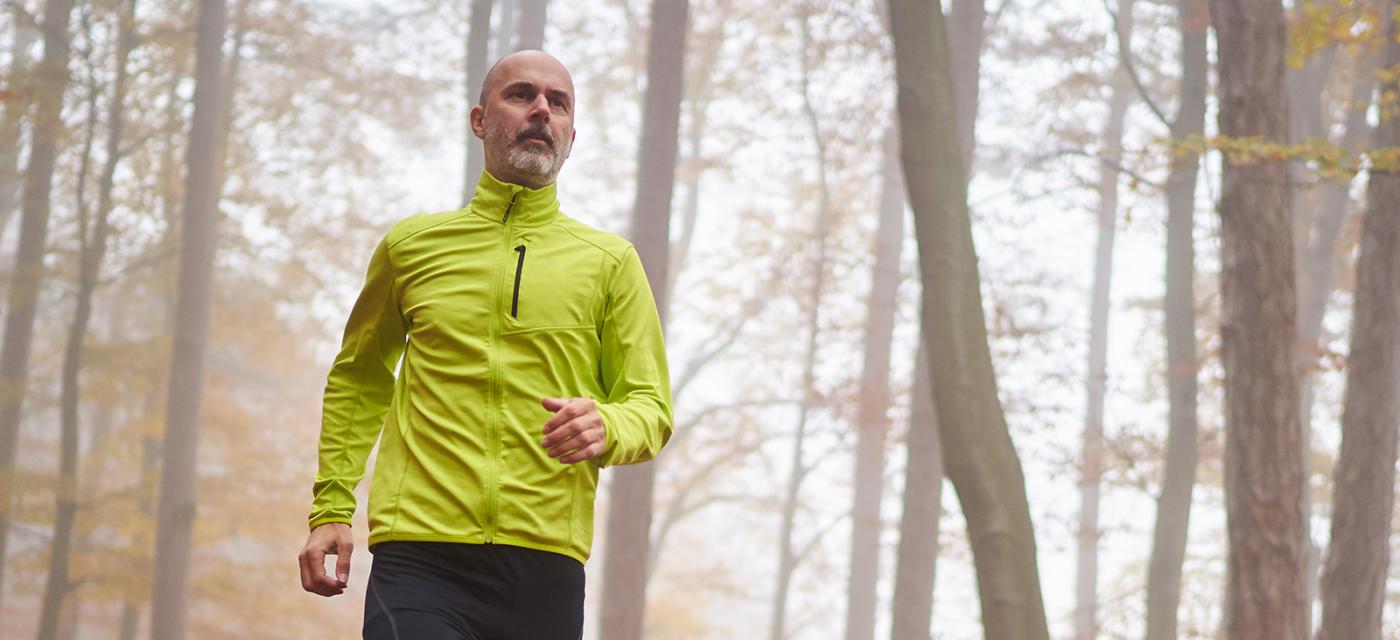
[576,432]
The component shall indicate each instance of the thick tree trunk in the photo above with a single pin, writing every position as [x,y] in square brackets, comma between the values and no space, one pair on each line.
[874,400]
[176,508]
[27,278]
[980,458]
[505,33]
[532,20]
[1091,461]
[917,557]
[478,34]
[11,122]
[1267,590]
[90,261]
[1354,575]
[627,546]
[1179,470]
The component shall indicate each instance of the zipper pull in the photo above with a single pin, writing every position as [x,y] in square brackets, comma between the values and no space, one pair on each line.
[510,206]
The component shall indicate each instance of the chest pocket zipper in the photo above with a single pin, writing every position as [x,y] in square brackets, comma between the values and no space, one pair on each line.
[519,267]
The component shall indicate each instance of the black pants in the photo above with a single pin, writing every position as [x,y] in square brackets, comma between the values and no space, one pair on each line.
[453,591]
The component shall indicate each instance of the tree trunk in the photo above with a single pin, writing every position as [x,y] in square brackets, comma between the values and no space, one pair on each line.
[505,30]
[11,122]
[49,83]
[874,400]
[90,261]
[1179,470]
[788,556]
[1267,591]
[1354,575]
[980,458]
[477,36]
[532,19]
[176,509]
[917,558]
[629,510]
[1091,462]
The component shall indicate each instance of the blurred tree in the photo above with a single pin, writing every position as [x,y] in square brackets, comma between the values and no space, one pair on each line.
[979,455]
[1266,589]
[15,100]
[1354,577]
[628,538]
[51,78]
[93,248]
[477,36]
[176,508]
[1179,467]
[532,20]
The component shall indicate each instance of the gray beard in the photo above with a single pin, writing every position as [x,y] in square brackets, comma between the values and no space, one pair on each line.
[540,163]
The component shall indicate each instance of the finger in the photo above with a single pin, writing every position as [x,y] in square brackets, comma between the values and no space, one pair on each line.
[553,404]
[564,431]
[587,453]
[342,561]
[311,559]
[563,415]
[305,571]
[583,438]
[577,433]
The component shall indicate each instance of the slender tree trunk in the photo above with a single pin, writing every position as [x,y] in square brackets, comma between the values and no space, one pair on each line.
[1267,592]
[28,275]
[627,546]
[93,250]
[1179,472]
[1091,462]
[176,509]
[788,556]
[532,20]
[917,564]
[1354,576]
[15,106]
[874,400]
[979,455]
[478,34]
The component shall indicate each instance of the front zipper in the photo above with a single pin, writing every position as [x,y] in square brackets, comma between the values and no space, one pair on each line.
[495,392]
[509,207]
[519,266]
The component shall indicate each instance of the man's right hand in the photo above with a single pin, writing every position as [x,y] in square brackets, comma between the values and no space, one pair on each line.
[333,538]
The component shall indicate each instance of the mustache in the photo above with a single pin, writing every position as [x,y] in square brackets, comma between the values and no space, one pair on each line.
[535,130]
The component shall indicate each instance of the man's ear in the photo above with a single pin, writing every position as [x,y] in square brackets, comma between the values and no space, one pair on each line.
[478,118]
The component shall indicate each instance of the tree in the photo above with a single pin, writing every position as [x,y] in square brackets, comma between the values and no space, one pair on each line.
[176,508]
[93,250]
[27,278]
[1354,574]
[979,455]
[1179,469]
[629,508]
[532,20]
[15,104]
[1091,461]
[1266,591]
[478,34]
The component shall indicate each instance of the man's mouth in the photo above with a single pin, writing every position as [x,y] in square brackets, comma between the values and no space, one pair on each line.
[536,137]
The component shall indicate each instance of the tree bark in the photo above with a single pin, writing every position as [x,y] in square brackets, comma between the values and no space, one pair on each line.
[873,403]
[979,455]
[532,20]
[1354,574]
[1091,462]
[27,278]
[478,34]
[1267,589]
[627,546]
[1179,470]
[176,508]
[505,30]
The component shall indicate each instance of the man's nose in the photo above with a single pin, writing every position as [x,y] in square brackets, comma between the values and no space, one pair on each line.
[539,109]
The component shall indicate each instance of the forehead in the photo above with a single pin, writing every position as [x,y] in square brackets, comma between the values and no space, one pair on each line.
[540,70]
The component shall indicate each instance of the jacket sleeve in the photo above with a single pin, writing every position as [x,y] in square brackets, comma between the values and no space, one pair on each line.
[358,389]
[637,410]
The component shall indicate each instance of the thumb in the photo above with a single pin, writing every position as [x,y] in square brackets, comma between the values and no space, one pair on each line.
[342,562]
[553,404]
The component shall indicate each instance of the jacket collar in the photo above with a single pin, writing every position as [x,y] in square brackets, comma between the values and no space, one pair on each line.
[496,200]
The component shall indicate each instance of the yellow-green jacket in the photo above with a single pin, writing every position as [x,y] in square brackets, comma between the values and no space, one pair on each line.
[492,307]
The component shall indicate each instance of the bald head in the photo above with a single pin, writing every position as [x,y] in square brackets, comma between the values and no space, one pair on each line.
[528,60]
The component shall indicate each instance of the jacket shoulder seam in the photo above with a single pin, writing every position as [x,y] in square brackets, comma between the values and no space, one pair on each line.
[616,258]
[410,234]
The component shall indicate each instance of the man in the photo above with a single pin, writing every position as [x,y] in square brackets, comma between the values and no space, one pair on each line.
[532,357]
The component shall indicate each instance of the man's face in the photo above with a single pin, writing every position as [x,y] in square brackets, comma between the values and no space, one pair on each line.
[526,119]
